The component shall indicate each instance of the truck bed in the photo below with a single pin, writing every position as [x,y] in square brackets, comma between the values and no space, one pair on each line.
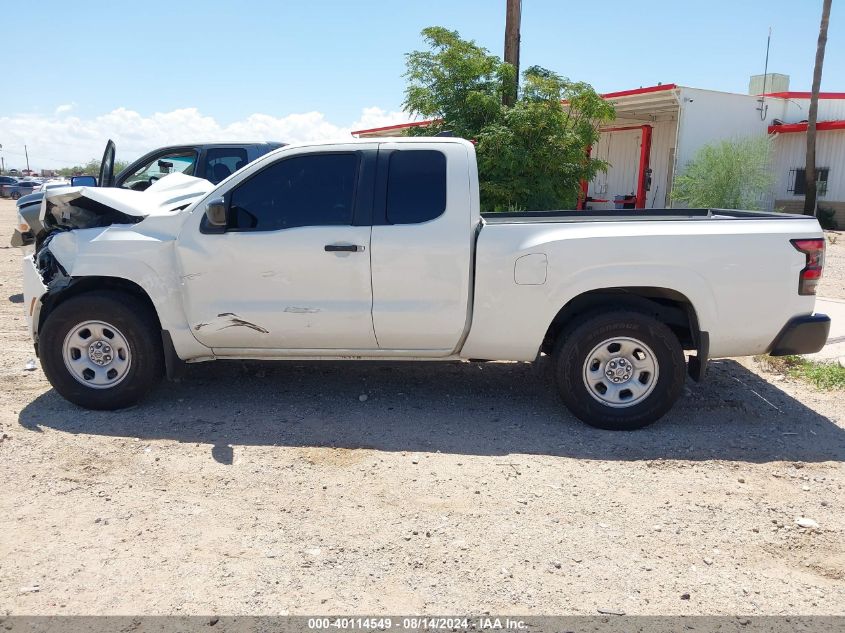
[628,215]
[737,269]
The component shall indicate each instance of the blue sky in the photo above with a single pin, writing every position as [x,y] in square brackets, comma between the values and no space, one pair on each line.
[232,60]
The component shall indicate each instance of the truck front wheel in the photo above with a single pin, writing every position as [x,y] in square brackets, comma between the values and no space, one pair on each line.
[102,350]
[619,370]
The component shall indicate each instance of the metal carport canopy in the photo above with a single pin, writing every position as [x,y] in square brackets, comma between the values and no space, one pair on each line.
[652,103]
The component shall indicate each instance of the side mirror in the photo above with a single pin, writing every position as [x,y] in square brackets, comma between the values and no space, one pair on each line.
[83,181]
[215,214]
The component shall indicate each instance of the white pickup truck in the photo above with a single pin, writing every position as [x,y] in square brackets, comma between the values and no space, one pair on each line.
[377,249]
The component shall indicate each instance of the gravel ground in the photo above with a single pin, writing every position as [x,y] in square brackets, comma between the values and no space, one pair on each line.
[276,488]
[832,285]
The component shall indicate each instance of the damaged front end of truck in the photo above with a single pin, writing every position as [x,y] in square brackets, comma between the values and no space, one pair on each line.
[112,231]
[68,211]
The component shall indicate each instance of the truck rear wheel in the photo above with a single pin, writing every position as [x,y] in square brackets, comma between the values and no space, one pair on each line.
[619,370]
[102,350]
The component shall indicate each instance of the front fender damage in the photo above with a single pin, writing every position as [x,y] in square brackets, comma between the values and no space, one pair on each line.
[97,238]
[76,219]
[53,272]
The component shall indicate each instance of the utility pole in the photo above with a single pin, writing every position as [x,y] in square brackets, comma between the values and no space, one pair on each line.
[513,17]
[811,190]
[26,153]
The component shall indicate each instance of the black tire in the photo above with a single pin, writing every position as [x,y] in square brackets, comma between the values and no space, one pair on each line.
[581,339]
[138,325]
[15,195]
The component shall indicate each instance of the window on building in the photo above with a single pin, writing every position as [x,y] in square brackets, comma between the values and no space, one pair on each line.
[798,181]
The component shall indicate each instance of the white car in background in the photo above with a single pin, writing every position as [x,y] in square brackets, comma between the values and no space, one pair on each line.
[52,184]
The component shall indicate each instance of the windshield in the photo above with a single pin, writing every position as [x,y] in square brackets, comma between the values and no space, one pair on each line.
[159,167]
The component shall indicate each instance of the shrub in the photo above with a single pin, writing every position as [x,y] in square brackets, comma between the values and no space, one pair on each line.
[732,174]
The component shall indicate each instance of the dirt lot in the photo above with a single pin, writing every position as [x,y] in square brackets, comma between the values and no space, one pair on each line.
[273,488]
[833,280]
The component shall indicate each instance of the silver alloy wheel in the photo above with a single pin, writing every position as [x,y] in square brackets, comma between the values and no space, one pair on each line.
[96,354]
[620,372]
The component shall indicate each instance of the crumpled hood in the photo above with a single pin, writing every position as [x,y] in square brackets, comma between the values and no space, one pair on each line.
[88,207]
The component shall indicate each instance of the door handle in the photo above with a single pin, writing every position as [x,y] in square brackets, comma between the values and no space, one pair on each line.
[343,248]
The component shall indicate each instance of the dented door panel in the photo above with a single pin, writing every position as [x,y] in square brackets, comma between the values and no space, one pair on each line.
[279,289]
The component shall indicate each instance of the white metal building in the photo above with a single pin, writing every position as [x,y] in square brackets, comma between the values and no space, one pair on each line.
[789,137]
[659,129]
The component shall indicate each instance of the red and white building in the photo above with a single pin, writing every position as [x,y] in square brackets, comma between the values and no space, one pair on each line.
[659,129]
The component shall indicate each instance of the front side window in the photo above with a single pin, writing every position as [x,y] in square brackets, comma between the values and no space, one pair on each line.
[222,162]
[161,166]
[306,190]
[416,186]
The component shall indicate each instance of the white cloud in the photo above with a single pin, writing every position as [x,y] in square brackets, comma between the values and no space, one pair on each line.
[65,107]
[58,141]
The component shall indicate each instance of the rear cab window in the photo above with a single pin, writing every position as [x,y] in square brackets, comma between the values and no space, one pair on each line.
[416,186]
[222,162]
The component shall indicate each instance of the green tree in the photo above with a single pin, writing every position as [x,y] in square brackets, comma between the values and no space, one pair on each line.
[91,168]
[531,155]
[732,174]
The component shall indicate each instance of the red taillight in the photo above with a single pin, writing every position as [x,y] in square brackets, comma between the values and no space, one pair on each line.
[810,275]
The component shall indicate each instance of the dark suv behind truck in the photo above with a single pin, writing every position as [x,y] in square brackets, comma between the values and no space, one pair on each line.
[213,161]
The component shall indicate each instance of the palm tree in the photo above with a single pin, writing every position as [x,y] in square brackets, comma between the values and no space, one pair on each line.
[810,165]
